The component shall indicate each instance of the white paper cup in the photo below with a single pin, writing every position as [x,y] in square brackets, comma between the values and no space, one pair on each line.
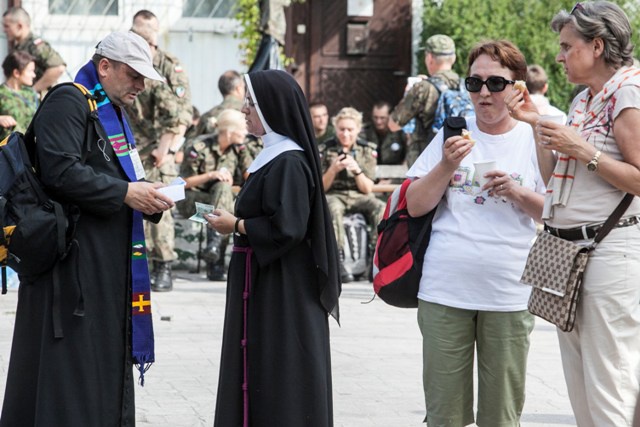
[481,168]
[555,119]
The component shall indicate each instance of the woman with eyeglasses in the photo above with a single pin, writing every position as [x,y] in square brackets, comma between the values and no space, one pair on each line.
[589,165]
[283,280]
[470,297]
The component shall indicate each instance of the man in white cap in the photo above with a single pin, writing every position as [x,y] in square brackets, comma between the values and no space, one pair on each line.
[80,329]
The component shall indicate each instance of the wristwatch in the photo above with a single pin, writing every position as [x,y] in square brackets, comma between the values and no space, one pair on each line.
[592,166]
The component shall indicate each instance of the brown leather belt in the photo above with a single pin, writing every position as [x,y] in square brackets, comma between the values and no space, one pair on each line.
[588,231]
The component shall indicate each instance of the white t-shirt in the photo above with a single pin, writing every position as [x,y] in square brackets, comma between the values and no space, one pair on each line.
[479,242]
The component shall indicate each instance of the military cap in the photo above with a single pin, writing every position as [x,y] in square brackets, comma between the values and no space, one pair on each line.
[439,44]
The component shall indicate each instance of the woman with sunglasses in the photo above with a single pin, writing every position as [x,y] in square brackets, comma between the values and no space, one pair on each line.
[590,164]
[470,297]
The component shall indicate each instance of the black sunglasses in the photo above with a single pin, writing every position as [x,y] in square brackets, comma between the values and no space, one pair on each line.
[494,83]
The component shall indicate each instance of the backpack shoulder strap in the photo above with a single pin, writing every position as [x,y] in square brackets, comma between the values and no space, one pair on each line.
[29,136]
[439,83]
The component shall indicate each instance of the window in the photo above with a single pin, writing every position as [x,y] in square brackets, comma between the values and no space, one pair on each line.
[83,7]
[209,9]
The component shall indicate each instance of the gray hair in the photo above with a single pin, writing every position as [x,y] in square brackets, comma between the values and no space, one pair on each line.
[604,20]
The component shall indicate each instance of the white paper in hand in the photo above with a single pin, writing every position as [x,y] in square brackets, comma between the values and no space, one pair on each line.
[174,190]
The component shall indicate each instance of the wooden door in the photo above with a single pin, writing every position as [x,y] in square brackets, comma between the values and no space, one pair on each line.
[352,61]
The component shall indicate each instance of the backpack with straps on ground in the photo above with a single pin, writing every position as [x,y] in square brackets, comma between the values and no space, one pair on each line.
[36,231]
[451,103]
[356,244]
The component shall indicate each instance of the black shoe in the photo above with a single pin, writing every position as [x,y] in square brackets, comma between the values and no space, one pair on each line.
[164,282]
[212,252]
[216,272]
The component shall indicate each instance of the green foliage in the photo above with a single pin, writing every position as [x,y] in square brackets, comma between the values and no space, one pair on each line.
[524,22]
[250,35]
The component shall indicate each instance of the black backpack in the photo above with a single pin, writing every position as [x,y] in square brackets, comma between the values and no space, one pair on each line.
[37,231]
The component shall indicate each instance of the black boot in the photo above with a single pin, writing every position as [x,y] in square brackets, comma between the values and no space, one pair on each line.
[345,276]
[164,282]
[153,274]
[212,251]
[216,272]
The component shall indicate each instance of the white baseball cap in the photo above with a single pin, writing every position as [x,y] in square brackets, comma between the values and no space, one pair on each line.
[131,49]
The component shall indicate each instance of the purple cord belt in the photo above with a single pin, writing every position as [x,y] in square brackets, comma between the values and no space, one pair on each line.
[245,298]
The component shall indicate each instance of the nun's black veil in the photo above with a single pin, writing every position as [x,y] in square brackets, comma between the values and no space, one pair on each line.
[285,110]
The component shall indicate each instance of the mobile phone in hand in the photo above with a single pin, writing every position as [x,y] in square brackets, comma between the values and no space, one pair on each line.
[453,126]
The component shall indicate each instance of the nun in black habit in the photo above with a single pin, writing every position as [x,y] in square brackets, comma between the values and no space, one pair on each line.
[283,280]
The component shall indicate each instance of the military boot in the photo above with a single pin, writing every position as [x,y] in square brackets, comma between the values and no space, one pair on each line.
[216,271]
[345,276]
[164,282]
[212,251]
[153,274]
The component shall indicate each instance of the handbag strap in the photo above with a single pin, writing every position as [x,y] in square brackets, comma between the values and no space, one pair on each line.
[613,218]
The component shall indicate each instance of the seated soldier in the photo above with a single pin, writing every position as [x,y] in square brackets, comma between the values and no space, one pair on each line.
[349,167]
[392,146]
[208,167]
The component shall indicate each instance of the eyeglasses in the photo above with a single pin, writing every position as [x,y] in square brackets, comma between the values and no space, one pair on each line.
[494,83]
[248,103]
[577,6]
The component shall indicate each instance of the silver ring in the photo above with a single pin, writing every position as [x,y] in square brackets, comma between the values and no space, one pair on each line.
[501,187]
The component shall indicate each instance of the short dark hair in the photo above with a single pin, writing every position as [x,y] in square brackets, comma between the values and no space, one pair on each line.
[536,78]
[380,104]
[502,51]
[16,60]
[228,81]
[144,14]
[18,14]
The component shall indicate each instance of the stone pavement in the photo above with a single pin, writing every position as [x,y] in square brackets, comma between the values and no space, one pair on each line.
[376,356]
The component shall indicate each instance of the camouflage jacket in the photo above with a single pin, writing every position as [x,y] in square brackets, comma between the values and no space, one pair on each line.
[206,125]
[328,134]
[362,151]
[161,107]
[20,105]
[420,103]
[203,155]
[392,146]
[45,56]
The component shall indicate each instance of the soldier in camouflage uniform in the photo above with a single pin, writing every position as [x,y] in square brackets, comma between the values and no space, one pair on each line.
[208,168]
[18,101]
[158,118]
[349,168]
[422,99]
[232,87]
[320,119]
[49,64]
[392,146]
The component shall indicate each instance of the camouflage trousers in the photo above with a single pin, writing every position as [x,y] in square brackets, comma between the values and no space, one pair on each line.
[219,195]
[341,203]
[160,237]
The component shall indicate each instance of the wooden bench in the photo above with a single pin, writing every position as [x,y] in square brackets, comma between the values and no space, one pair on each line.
[392,175]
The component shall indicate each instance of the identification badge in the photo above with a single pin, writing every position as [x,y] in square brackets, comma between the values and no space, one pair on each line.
[137,164]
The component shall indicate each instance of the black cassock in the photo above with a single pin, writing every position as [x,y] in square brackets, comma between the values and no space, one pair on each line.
[84,379]
[289,366]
